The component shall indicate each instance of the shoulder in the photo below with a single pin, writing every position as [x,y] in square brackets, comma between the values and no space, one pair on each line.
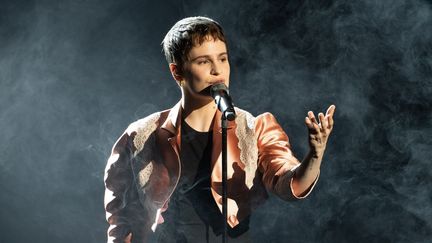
[252,121]
[266,117]
[140,130]
[144,123]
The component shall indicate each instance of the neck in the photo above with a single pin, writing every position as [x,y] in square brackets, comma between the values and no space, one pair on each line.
[198,114]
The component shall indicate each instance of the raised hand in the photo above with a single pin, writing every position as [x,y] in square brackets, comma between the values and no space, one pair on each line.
[319,130]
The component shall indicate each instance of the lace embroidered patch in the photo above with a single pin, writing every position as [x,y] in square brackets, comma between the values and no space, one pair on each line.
[247,144]
[144,128]
[143,161]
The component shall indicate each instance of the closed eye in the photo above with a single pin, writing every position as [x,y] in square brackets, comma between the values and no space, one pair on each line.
[223,57]
[200,62]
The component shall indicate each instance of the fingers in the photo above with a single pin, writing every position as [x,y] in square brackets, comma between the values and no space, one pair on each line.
[330,112]
[312,117]
[324,122]
[309,123]
[312,123]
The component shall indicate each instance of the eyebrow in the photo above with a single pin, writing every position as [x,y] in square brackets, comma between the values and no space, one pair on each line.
[207,56]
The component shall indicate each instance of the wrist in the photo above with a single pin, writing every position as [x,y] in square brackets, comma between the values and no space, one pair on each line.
[317,152]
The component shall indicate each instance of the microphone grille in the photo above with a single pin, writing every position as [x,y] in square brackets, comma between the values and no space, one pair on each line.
[216,88]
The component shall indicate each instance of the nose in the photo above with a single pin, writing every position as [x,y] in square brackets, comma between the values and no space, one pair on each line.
[216,69]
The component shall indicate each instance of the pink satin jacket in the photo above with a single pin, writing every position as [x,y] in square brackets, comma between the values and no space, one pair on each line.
[144,168]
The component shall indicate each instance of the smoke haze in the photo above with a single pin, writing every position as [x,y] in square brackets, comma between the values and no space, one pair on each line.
[74,74]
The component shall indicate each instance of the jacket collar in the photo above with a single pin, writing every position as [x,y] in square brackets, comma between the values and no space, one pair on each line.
[173,122]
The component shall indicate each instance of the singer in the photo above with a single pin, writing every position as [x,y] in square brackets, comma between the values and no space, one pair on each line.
[163,177]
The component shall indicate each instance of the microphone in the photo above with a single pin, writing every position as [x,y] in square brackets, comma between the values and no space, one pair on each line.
[220,94]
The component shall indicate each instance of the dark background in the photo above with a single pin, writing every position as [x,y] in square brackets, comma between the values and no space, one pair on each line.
[74,74]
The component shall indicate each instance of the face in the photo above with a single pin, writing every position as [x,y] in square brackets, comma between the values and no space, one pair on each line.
[207,64]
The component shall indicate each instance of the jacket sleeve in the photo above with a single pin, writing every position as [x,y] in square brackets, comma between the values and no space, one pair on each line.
[118,187]
[276,161]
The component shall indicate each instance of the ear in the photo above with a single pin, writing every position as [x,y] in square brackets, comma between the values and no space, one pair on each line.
[176,72]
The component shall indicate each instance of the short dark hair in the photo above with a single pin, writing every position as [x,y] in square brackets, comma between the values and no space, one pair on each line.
[185,34]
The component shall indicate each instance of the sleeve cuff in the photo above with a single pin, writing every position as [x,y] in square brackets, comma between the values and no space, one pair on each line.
[305,193]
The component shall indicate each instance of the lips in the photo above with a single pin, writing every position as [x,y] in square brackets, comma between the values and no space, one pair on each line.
[216,82]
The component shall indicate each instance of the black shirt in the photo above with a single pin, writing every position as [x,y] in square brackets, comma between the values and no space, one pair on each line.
[193,215]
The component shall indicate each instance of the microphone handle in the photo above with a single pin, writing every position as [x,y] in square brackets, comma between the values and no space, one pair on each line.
[225,106]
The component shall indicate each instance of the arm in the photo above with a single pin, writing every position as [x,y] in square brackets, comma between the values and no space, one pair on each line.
[318,136]
[276,161]
[118,183]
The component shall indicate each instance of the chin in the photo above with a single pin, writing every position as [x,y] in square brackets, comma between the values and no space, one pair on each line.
[205,92]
